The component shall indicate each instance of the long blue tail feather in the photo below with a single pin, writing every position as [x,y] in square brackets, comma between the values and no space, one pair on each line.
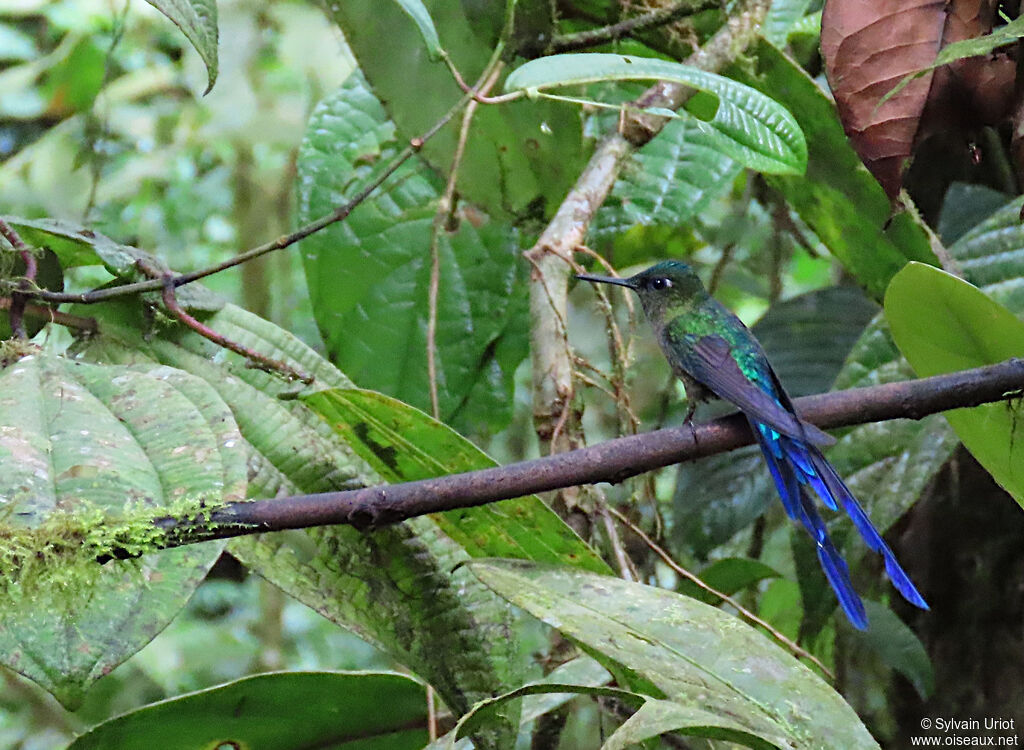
[796,466]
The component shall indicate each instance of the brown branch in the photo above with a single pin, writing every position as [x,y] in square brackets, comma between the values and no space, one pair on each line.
[616,31]
[611,461]
[41,312]
[18,298]
[255,358]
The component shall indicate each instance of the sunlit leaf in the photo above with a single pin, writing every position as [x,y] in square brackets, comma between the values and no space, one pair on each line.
[943,324]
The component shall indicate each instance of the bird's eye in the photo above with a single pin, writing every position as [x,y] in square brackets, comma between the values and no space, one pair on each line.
[660,282]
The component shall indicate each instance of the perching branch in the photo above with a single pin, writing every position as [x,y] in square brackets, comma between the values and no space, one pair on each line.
[611,461]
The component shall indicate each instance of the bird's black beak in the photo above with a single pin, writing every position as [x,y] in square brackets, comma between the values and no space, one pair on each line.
[629,283]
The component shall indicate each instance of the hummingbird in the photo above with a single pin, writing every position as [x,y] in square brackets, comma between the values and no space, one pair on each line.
[715,355]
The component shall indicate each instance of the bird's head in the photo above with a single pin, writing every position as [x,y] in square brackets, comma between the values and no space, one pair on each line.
[666,289]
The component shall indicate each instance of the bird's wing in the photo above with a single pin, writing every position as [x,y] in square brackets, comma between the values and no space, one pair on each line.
[709,361]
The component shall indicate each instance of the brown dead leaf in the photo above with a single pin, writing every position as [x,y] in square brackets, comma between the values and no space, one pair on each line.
[869,46]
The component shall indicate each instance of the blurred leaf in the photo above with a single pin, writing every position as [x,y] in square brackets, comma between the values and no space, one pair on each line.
[15,44]
[521,157]
[964,206]
[807,339]
[278,710]
[197,20]
[399,588]
[89,456]
[75,81]
[837,198]
[897,646]
[943,324]
[668,181]
[725,679]
[727,576]
[369,276]
[743,124]
[404,444]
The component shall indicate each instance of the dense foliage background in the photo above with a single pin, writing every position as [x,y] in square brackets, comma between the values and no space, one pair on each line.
[433,295]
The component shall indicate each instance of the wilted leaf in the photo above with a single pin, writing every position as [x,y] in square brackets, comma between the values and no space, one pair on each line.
[870,48]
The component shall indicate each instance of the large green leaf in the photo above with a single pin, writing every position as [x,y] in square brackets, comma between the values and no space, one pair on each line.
[520,157]
[723,678]
[369,276]
[277,711]
[404,444]
[837,198]
[943,324]
[743,124]
[668,181]
[89,455]
[401,587]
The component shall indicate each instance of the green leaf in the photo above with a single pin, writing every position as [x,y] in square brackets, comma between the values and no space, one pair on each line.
[404,444]
[197,20]
[484,710]
[728,679]
[369,277]
[400,588]
[656,717]
[727,576]
[897,646]
[279,710]
[991,255]
[520,158]
[943,324]
[89,456]
[421,17]
[837,198]
[746,125]
[76,245]
[668,181]
[964,206]
[782,17]
[581,672]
